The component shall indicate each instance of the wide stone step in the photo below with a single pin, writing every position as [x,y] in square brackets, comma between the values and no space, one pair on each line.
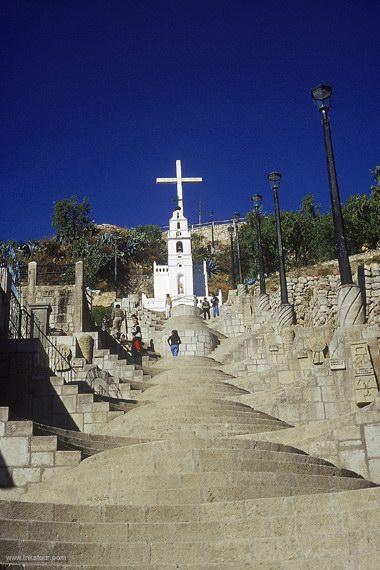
[252,550]
[199,430]
[15,428]
[264,482]
[89,444]
[173,419]
[325,505]
[180,409]
[211,531]
[242,444]
[362,561]
[212,425]
[255,454]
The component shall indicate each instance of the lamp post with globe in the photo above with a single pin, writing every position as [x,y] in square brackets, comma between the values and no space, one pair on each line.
[351,308]
[231,231]
[286,315]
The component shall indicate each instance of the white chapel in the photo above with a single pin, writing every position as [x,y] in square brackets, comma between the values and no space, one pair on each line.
[182,279]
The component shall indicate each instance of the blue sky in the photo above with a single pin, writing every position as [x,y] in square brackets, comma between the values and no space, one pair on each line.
[101,97]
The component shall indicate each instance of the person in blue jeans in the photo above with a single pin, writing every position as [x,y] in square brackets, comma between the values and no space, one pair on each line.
[215,306]
[174,341]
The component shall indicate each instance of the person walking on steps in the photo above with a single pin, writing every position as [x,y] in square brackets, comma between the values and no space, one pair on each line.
[206,308]
[136,341]
[168,306]
[215,306]
[117,319]
[174,341]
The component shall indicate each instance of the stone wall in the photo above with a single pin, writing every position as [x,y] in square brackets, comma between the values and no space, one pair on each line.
[70,310]
[315,297]
[221,234]
[324,383]
[61,300]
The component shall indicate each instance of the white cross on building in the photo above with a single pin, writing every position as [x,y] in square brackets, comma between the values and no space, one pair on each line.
[178,180]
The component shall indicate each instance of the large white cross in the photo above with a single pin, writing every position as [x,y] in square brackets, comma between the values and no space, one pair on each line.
[178,180]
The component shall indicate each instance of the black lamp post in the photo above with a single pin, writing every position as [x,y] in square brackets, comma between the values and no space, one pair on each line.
[257,200]
[116,237]
[321,95]
[235,219]
[231,231]
[212,217]
[274,181]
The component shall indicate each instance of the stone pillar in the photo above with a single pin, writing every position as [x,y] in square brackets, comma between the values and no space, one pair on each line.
[288,335]
[40,314]
[32,282]
[241,289]
[246,307]
[86,345]
[351,309]
[78,297]
[285,315]
[263,303]
[5,299]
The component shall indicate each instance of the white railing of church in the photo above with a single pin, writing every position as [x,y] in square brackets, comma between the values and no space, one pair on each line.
[209,224]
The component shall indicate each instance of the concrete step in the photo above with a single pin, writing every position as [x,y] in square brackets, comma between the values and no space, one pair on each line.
[69,389]
[56,380]
[323,505]
[100,352]
[4,414]
[114,414]
[101,407]
[252,550]
[16,428]
[87,444]
[177,532]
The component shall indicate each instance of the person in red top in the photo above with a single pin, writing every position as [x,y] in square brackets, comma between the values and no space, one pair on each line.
[136,340]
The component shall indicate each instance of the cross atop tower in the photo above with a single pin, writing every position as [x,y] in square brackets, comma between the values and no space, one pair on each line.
[178,180]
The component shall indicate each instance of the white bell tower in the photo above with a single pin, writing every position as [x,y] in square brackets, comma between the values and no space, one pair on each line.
[180,261]
[176,278]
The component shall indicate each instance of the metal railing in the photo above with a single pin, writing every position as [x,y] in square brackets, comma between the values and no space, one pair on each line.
[3,277]
[20,321]
[23,325]
[58,362]
[53,274]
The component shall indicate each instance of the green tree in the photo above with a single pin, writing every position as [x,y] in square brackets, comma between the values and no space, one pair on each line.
[71,219]
[307,238]
[362,215]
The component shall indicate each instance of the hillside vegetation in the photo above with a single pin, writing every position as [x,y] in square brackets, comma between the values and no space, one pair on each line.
[308,238]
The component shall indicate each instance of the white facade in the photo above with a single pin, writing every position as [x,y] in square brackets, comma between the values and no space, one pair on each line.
[179,277]
[176,278]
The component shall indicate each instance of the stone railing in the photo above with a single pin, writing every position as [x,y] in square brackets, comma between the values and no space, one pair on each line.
[70,311]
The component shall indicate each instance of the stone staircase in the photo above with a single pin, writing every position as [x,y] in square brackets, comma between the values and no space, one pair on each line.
[151,324]
[88,444]
[27,457]
[282,383]
[319,531]
[59,404]
[196,493]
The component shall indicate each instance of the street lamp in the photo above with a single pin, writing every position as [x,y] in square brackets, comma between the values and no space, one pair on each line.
[212,218]
[231,231]
[321,95]
[235,220]
[116,237]
[274,182]
[257,201]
